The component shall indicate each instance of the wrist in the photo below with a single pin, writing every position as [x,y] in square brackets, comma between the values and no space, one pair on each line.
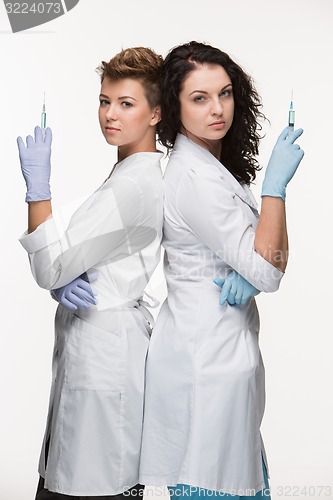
[38,193]
[273,188]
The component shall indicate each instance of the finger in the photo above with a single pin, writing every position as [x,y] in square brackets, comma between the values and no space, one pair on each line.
[74,299]
[294,135]
[91,299]
[231,299]
[38,134]
[233,291]
[30,141]
[20,144]
[239,295]
[219,281]
[48,136]
[225,291]
[65,302]
[85,285]
[284,134]
[85,294]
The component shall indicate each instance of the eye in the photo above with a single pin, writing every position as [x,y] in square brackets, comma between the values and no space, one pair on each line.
[103,102]
[127,104]
[226,93]
[199,98]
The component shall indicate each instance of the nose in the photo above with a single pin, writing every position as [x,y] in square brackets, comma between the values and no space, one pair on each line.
[217,108]
[111,114]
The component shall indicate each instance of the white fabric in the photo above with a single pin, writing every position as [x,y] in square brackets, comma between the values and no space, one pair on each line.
[96,403]
[205,391]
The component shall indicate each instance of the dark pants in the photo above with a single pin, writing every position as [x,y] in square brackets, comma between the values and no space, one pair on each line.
[135,493]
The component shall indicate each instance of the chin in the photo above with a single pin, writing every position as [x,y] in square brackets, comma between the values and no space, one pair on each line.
[220,135]
[111,142]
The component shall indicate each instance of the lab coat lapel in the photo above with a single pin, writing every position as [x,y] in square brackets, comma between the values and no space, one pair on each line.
[242,191]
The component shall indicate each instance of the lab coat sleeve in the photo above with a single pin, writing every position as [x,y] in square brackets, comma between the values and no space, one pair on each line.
[224,223]
[115,222]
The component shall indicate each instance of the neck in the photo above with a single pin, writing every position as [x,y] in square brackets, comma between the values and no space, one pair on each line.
[146,146]
[214,147]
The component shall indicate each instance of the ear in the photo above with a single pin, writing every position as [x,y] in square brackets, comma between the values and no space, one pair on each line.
[156,116]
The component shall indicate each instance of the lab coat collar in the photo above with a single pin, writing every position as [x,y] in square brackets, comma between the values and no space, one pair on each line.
[152,155]
[131,159]
[241,190]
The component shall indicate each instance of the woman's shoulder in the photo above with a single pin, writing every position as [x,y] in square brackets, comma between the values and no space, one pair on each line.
[182,167]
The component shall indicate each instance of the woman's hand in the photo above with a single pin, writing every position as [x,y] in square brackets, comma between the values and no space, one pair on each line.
[235,289]
[77,294]
[283,163]
[35,164]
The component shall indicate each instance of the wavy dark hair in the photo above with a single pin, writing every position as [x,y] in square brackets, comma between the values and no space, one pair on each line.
[240,145]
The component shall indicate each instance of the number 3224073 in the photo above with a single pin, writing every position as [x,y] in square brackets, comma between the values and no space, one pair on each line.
[35,8]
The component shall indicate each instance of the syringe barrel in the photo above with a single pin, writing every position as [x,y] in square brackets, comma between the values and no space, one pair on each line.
[291,118]
[43,120]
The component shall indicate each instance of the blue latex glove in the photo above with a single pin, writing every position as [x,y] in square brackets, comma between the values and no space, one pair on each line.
[36,165]
[235,289]
[283,163]
[77,294]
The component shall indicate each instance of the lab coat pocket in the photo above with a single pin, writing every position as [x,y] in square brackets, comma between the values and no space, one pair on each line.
[251,341]
[251,334]
[207,306]
[93,358]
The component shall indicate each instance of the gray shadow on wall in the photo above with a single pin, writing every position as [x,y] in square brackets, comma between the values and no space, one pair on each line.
[27,14]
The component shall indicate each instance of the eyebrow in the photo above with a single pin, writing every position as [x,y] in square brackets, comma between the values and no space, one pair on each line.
[204,92]
[119,98]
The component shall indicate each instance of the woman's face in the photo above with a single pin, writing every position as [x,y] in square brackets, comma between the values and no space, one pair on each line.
[125,116]
[207,106]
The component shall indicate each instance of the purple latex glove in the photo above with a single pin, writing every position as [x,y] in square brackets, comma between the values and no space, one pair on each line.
[77,294]
[36,165]
[235,289]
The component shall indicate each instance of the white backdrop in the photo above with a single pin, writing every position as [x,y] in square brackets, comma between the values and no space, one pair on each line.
[283,44]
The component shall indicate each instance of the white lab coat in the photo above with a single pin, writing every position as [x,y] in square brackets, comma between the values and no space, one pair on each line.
[205,389]
[96,403]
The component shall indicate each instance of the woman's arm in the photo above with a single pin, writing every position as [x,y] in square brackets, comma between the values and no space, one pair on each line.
[38,212]
[213,212]
[271,239]
[35,158]
[118,220]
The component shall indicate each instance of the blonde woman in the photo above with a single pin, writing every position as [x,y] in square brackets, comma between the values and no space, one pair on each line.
[93,435]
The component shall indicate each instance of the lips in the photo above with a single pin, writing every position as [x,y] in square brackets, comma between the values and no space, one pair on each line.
[111,128]
[217,123]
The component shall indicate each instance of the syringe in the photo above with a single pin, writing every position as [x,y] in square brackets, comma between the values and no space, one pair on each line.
[43,118]
[291,117]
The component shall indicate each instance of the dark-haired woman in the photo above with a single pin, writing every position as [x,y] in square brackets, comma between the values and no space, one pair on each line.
[205,390]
